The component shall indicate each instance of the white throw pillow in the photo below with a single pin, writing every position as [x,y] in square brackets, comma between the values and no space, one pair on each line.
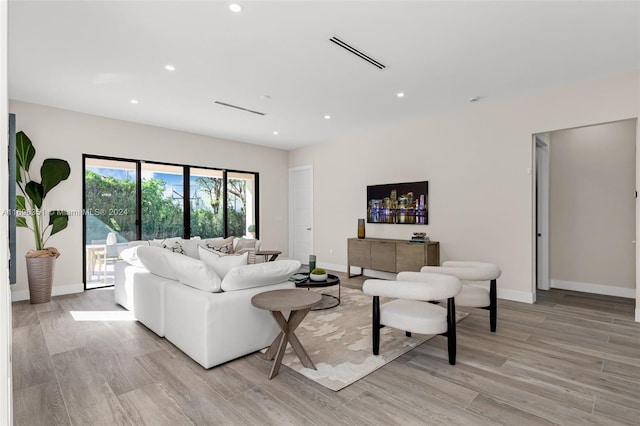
[260,274]
[194,273]
[190,248]
[130,256]
[220,263]
[221,245]
[154,259]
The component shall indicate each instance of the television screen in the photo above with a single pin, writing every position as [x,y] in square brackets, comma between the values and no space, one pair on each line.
[403,203]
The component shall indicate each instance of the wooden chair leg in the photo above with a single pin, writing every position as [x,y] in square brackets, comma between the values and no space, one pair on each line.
[451,330]
[493,307]
[375,332]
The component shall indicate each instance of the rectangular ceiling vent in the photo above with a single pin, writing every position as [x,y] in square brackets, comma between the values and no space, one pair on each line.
[356,52]
[239,107]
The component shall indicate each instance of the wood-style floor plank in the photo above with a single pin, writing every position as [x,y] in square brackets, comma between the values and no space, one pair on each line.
[504,414]
[31,362]
[150,405]
[570,358]
[87,396]
[197,400]
[40,405]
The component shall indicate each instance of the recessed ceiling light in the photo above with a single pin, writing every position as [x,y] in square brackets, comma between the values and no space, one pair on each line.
[327,117]
[235,8]
[400,94]
[134,101]
[474,99]
[276,132]
[264,97]
[169,68]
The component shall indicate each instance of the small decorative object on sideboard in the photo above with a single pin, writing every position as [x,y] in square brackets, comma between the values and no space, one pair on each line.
[419,237]
[360,228]
[318,274]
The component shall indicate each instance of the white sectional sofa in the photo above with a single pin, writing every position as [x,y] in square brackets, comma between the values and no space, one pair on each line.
[187,301]
[123,275]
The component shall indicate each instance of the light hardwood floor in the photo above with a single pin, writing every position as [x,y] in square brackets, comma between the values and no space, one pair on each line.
[571,358]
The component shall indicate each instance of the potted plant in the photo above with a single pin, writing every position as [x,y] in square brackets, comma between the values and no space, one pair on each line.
[252,231]
[318,274]
[41,261]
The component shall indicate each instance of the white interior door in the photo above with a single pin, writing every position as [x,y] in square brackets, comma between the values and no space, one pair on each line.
[301,213]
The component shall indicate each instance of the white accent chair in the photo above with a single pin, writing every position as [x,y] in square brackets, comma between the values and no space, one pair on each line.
[472,295]
[411,310]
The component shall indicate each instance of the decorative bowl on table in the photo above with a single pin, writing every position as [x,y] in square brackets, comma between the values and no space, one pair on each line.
[318,274]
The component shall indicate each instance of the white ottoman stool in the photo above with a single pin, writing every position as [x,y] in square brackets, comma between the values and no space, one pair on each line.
[470,295]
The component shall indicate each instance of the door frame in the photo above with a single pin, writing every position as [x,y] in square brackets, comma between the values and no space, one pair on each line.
[535,207]
[541,192]
[292,170]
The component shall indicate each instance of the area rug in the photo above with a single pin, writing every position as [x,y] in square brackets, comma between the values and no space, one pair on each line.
[338,340]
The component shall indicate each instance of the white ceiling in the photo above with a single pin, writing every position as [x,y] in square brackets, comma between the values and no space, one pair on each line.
[95,57]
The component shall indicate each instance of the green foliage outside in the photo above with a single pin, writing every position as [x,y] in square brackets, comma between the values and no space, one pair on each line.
[110,205]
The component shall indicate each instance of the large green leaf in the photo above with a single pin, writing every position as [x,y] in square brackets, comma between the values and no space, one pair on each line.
[53,171]
[20,203]
[59,221]
[21,222]
[24,153]
[35,192]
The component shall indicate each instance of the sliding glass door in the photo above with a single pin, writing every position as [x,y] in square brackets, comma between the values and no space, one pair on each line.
[162,201]
[241,202]
[206,203]
[127,200]
[110,216]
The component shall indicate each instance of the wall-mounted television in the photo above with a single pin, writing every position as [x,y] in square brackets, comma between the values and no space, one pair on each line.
[401,203]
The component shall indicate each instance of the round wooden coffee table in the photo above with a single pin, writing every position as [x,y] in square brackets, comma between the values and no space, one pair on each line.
[299,303]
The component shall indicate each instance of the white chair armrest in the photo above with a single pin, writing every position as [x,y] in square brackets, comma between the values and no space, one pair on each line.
[433,287]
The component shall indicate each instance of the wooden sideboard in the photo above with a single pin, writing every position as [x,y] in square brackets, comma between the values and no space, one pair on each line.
[390,255]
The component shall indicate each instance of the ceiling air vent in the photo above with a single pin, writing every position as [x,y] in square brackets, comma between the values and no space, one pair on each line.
[356,52]
[239,107]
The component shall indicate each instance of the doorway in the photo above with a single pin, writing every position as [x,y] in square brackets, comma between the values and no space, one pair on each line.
[301,213]
[585,209]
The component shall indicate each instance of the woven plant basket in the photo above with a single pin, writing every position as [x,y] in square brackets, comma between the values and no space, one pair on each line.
[40,276]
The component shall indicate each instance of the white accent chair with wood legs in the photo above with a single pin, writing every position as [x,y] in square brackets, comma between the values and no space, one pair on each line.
[411,310]
[471,295]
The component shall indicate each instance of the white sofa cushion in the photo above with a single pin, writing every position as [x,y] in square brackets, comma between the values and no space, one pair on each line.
[221,263]
[194,273]
[130,255]
[260,274]
[153,258]
[148,300]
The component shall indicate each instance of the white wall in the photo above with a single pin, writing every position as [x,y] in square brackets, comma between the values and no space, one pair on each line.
[5,296]
[68,135]
[592,208]
[478,162]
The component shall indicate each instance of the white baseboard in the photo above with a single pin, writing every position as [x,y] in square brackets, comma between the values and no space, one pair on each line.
[55,291]
[516,295]
[333,267]
[608,290]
